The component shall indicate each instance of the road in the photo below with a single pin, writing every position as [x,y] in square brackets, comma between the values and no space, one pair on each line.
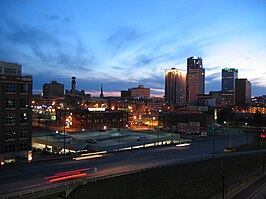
[21,177]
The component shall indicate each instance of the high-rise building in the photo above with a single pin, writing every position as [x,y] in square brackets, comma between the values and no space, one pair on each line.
[53,89]
[242,92]
[15,113]
[175,86]
[229,75]
[195,79]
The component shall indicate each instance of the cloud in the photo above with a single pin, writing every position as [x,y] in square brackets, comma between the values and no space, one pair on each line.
[43,51]
[55,18]
[122,38]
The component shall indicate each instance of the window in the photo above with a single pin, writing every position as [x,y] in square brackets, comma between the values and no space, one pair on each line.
[23,118]
[9,148]
[24,88]
[23,133]
[11,87]
[10,118]
[10,103]
[10,71]
[23,103]
[23,147]
[10,134]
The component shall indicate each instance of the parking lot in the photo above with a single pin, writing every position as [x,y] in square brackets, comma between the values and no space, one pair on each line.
[109,140]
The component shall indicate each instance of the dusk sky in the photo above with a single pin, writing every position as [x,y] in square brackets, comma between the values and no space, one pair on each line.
[124,43]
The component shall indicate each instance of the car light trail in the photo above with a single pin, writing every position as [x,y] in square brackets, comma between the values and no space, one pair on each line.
[78,171]
[87,157]
[68,177]
[95,153]
[183,144]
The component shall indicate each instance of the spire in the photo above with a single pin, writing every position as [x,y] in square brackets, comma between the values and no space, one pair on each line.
[101,95]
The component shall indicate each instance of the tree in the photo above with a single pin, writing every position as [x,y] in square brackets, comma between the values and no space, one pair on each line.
[257,118]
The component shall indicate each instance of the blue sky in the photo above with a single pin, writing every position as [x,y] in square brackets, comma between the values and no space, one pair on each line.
[122,44]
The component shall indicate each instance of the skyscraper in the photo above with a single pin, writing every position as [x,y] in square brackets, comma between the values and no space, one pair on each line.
[15,113]
[175,86]
[229,75]
[195,79]
[242,92]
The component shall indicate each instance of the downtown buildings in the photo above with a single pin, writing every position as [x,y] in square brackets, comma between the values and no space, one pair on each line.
[182,87]
[15,111]
[175,86]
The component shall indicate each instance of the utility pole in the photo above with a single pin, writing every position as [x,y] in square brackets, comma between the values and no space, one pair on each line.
[64,131]
[263,163]
[223,194]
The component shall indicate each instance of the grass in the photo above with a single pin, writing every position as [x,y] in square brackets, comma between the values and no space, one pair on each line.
[193,180]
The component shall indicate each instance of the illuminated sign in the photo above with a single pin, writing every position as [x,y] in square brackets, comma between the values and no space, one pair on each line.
[96,109]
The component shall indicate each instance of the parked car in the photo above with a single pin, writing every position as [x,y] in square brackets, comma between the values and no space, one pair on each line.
[93,141]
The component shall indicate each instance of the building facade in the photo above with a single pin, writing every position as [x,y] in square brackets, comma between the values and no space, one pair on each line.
[74,91]
[229,75]
[242,92]
[139,92]
[15,111]
[92,120]
[175,86]
[195,79]
[53,89]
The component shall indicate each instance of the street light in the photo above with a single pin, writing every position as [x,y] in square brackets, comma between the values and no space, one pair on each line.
[64,137]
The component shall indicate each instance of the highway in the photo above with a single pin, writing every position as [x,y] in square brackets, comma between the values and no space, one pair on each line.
[26,176]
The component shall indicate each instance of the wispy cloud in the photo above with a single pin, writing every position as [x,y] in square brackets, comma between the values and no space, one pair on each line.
[52,18]
[123,38]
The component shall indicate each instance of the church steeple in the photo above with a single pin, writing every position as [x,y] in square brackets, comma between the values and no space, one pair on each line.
[101,95]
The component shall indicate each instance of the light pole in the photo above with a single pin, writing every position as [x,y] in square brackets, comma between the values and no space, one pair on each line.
[153,121]
[223,185]
[263,163]
[64,136]
[213,141]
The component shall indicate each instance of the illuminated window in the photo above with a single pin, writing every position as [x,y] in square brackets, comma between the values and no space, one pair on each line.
[10,118]
[23,103]
[10,103]
[23,118]
[10,134]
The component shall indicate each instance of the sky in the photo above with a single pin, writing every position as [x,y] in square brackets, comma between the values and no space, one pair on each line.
[123,43]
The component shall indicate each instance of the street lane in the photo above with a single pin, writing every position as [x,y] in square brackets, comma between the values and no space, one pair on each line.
[20,177]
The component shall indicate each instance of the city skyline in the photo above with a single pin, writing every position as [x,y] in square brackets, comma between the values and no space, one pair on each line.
[125,44]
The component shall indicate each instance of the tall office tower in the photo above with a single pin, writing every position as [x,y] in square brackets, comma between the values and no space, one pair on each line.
[175,86]
[195,79]
[53,89]
[73,84]
[242,92]
[229,75]
[15,113]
